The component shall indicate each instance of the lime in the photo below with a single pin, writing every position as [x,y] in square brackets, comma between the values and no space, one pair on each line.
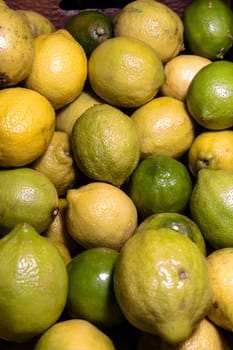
[90,295]
[162,284]
[210,96]
[105,144]
[160,184]
[90,28]
[177,222]
[208,28]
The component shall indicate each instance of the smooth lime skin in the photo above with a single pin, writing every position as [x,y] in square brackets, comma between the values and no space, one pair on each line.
[177,222]
[160,184]
[91,295]
[208,28]
[210,96]
[90,28]
[211,206]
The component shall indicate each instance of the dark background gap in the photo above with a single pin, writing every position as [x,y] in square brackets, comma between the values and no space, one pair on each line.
[84,4]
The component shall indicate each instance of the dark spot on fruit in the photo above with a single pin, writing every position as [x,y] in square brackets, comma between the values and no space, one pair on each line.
[4,80]
[183,274]
[215,305]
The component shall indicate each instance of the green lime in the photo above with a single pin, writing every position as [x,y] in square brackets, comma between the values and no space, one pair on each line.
[90,28]
[90,294]
[208,28]
[210,96]
[177,222]
[160,184]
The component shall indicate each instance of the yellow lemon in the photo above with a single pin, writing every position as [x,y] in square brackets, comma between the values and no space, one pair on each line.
[57,163]
[220,270]
[66,116]
[100,215]
[164,127]
[59,69]
[27,123]
[179,72]
[74,334]
[154,23]
[125,72]
[213,150]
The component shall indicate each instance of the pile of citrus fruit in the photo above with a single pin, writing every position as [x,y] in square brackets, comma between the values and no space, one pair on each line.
[116,179]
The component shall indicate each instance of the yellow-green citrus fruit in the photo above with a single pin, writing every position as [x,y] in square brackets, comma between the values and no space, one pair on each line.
[105,144]
[208,28]
[210,96]
[138,72]
[26,195]
[162,284]
[160,184]
[177,222]
[74,334]
[211,206]
[34,284]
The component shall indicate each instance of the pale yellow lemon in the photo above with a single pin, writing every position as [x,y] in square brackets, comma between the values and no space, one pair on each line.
[66,116]
[125,72]
[74,334]
[212,150]
[27,123]
[179,72]
[100,215]
[154,23]
[164,127]
[59,69]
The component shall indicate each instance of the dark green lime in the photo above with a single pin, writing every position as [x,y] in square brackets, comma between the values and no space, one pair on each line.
[90,28]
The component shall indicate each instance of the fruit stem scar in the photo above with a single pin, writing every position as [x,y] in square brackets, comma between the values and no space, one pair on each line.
[210,4]
[183,274]
[55,212]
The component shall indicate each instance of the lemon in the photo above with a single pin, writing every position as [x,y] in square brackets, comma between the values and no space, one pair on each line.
[74,334]
[38,23]
[164,127]
[57,163]
[208,28]
[210,96]
[220,270]
[162,284]
[34,284]
[100,215]
[131,75]
[180,71]
[211,150]
[105,144]
[66,116]
[27,123]
[159,184]
[154,23]
[59,69]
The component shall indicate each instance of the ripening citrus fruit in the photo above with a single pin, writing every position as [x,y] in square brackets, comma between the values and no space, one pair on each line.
[160,184]
[27,123]
[164,127]
[138,72]
[100,215]
[34,284]
[105,144]
[90,294]
[180,71]
[59,69]
[208,28]
[210,96]
[154,23]
[162,284]
[212,150]
[90,28]
[74,334]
